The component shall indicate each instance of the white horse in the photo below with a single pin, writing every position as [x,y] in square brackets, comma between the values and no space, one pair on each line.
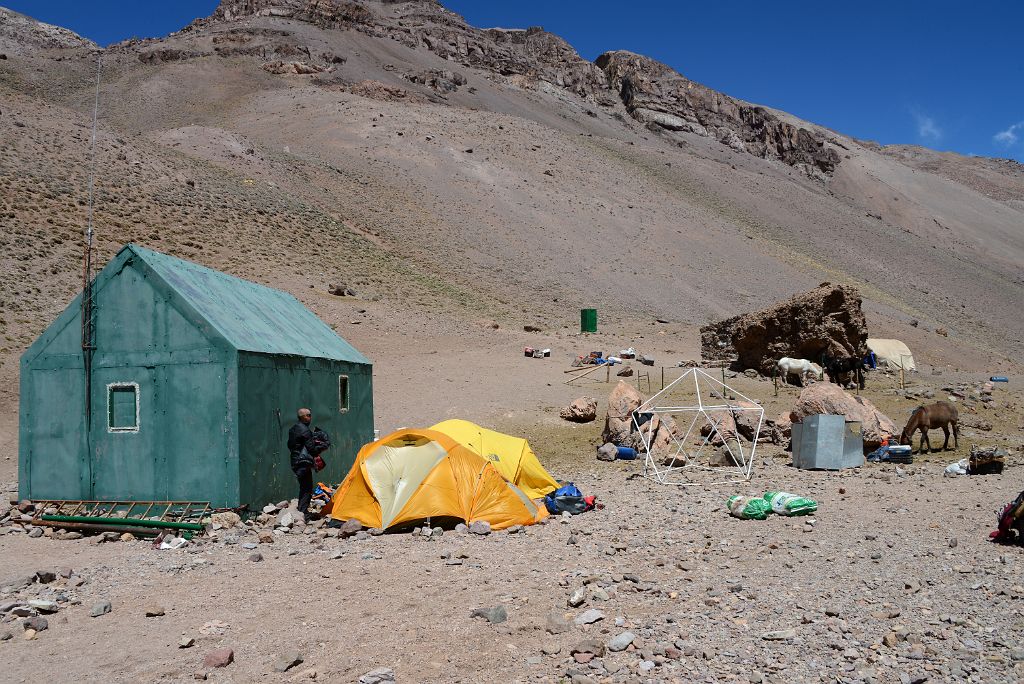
[801,367]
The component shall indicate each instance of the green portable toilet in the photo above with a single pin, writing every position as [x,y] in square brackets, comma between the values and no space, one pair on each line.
[196,377]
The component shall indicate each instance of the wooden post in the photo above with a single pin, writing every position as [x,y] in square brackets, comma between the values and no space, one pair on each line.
[662,377]
[903,380]
[608,375]
[775,380]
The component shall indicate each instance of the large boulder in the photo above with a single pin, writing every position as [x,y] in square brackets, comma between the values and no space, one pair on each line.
[620,430]
[582,410]
[831,399]
[618,423]
[828,319]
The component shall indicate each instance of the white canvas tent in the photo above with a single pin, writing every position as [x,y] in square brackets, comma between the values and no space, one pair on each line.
[892,354]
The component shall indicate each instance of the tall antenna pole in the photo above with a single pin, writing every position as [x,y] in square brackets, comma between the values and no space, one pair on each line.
[88,324]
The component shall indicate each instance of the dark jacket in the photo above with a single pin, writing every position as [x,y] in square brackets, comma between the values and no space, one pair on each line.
[298,437]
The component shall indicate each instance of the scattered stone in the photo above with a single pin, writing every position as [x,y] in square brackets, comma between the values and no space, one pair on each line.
[44,605]
[781,635]
[265,537]
[621,642]
[607,452]
[551,649]
[480,527]
[557,624]
[38,624]
[155,611]
[35,533]
[186,642]
[495,615]
[220,657]
[100,608]
[589,617]
[585,651]
[349,528]
[462,528]
[46,576]
[577,598]
[5,635]
[256,557]
[287,661]
[127,537]
[381,675]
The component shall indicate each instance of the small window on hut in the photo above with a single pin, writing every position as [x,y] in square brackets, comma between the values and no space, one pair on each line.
[123,407]
[343,393]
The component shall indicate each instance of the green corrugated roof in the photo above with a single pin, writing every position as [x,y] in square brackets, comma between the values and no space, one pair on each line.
[251,317]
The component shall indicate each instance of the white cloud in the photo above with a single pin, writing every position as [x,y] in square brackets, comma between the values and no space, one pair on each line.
[1010,136]
[927,129]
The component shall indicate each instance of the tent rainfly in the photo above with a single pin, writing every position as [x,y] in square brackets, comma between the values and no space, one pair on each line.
[195,379]
[512,456]
[892,354]
[414,475]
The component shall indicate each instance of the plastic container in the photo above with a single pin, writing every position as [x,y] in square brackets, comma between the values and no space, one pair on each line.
[588,320]
[999,378]
[625,453]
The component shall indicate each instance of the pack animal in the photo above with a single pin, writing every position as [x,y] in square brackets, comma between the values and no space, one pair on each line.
[801,367]
[836,367]
[942,415]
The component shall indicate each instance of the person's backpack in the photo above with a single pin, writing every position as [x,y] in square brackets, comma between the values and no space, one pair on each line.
[318,443]
[1011,522]
[568,499]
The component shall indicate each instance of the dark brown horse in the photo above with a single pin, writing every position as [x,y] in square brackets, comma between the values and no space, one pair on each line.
[941,414]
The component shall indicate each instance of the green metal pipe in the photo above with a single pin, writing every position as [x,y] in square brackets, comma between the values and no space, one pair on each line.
[195,527]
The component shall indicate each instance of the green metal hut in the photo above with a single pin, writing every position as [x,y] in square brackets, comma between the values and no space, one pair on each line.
[195,377]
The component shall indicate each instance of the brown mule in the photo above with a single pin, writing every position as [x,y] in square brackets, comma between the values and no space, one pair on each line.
[941,414]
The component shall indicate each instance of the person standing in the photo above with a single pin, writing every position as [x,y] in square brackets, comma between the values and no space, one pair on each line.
[299,437]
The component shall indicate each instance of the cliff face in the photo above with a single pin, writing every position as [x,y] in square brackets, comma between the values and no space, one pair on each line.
[651,92]
[655,94]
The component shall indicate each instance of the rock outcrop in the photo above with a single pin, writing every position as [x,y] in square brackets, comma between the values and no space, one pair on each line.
[831,399]
[826,319]
[656,95]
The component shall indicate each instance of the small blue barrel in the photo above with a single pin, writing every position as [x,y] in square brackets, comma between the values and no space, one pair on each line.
[625,453]
[999,378]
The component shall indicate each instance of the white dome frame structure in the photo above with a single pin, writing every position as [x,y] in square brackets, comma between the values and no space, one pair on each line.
[683,461]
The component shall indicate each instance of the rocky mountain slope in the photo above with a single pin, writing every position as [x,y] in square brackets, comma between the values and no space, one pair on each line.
[483,174]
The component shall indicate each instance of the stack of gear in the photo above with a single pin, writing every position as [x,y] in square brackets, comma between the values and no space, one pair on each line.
[414,475]
[989,461]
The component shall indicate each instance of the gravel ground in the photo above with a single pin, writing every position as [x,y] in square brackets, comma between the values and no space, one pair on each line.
[892,580]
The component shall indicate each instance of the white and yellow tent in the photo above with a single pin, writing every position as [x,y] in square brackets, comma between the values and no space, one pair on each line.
[414,475]
[892,354]
[512,456]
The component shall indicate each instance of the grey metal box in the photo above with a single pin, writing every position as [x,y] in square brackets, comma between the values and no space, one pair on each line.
[827,443]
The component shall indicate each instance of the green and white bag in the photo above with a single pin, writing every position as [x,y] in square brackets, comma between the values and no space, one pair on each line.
[785,503]
[748,507]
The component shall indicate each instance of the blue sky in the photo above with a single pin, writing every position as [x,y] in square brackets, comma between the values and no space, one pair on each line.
[946,74]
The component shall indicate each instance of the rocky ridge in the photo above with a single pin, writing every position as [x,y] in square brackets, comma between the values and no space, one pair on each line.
[652,93]
[18,30]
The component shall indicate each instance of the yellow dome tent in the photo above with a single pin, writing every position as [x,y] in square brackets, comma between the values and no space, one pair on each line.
[512,456]
[415,474]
